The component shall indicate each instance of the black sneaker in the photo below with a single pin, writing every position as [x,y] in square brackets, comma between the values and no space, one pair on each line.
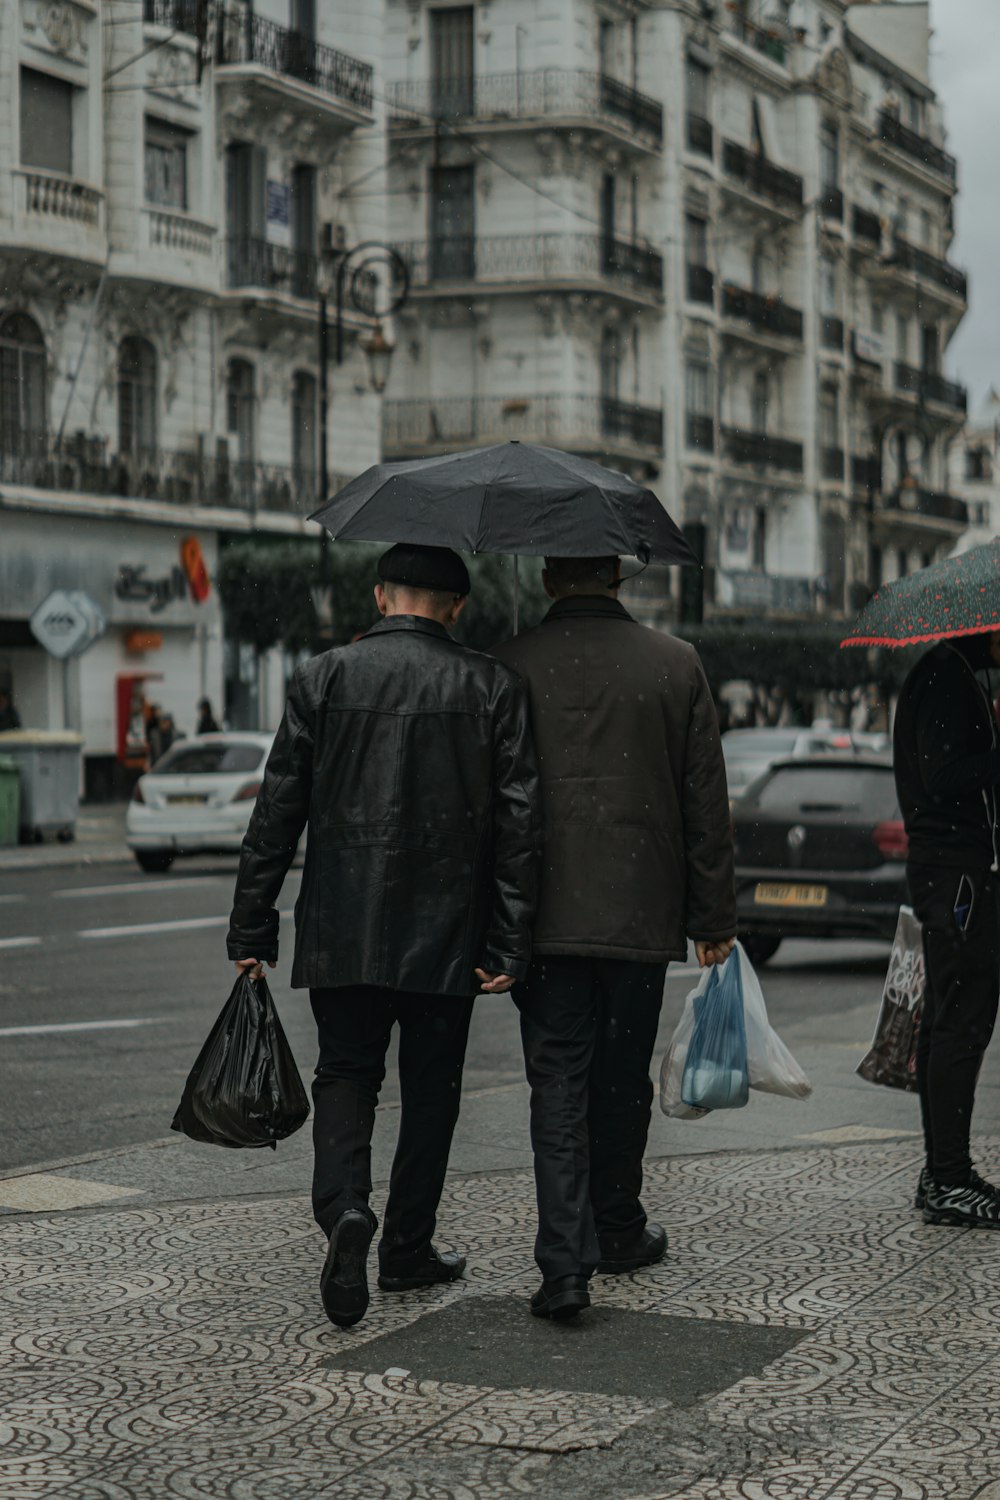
[962,1204]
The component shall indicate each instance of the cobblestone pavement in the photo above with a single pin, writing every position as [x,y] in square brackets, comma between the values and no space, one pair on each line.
[182,1351]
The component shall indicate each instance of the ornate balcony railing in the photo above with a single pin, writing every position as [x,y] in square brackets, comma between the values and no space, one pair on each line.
[759,38]
[831,463]
[700,283]
[831,332]
[928,386]
[177,15]
[258,263]
[543,93]
[51,195]
[767,313]
[179,232]
[932,504]
[895,133]
[760,448]
[498,258]
[761,176]
[831,204]
[931,267]
[83,465]
[699,431]
[866,225]
[569,421]
[244,37]
[700,135]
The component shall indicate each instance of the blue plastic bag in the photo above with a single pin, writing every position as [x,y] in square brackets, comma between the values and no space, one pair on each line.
[716,1072]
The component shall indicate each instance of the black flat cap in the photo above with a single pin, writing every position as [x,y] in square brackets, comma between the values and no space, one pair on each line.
[425,568]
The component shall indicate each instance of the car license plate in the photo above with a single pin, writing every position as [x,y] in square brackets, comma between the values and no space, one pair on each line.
[191,801]
[790,895]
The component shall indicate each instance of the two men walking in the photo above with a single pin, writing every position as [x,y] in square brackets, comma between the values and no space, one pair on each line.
[411,759]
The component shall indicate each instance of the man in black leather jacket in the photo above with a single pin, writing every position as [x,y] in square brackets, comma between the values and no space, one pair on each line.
[410,758]
[947,764]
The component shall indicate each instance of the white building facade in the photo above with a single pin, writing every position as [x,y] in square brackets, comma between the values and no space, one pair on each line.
[170,208]
[706,243]
[975,471]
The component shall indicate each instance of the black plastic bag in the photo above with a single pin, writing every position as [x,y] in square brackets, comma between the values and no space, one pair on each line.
[244,1089]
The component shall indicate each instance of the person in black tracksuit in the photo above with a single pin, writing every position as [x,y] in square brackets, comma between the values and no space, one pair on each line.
[947,763]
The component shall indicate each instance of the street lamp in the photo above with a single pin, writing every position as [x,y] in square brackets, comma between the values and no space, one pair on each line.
[377,349]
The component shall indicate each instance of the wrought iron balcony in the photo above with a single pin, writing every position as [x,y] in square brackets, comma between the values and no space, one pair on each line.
[895,133]
[831,204]
[83,465]
[933,505]
[700,283]
[533,258]
[930,267]
[178,15]
[699,431]
[590,423]
[760,448]
[700,135]
[831,463]
[243,37]
[258,263]
[759,38]
[769,314]
[761,176]
[831,332]
[543,93]
[928,386]
[866,225]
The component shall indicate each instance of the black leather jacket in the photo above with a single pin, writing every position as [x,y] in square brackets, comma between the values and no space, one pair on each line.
[411,759]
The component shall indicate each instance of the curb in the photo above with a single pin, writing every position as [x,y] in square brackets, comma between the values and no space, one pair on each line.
[65,857]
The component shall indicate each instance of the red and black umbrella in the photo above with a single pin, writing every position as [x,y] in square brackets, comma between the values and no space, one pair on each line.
[960,596]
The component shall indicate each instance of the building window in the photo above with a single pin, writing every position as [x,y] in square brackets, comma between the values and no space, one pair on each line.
[611,365]
[903,337]
[698,81]
[304,231]
[977,464]
[878,318]
[698,405]
[136,396]
[829,156]
[166,165]
[927,230]
[829,417]
[901,224]
[696,240]
[760,396]
[46,122]
[828,286]
[304,416]
[452,61]
[453,222]
[23,380]
[240,408]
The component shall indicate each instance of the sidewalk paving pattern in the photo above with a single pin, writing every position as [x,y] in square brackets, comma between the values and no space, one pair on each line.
[182,1351]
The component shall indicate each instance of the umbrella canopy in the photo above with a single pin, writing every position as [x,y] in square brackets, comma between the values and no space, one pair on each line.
[960,596]
[514,497]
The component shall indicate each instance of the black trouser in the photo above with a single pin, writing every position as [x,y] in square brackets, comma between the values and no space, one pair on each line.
[960,1008]
[355,1024]
[588,1028]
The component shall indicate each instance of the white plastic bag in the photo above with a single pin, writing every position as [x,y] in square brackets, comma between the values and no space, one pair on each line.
[772,1068]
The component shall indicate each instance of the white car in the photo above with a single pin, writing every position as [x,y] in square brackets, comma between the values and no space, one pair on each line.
[749,752]
[197,799]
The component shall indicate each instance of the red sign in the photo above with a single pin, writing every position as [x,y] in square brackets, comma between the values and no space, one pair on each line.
[194,567]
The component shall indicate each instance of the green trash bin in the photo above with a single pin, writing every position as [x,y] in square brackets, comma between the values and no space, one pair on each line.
[10,799]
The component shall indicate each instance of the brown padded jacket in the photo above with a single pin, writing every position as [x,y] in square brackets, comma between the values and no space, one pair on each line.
[637,846]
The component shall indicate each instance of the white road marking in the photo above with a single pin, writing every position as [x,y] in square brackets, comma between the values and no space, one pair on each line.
[81,1026]
[9,900]
[136,886]
[146,929]
[20,942]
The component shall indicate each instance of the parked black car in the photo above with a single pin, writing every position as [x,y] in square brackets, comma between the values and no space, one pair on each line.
[820,853]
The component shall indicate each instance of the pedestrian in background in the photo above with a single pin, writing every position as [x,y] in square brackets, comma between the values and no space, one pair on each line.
[206,719]
[637,859]
[947,762]
[410,758]
[9,716]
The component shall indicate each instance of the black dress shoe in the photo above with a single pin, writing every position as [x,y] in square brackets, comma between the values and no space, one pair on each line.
[650,1247]
[439,1266]
[561,1298]
[343,1284]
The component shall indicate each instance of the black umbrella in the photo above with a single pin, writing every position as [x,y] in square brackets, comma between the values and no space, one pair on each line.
[514,497]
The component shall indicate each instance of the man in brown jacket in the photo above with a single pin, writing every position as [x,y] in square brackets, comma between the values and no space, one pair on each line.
[637,859]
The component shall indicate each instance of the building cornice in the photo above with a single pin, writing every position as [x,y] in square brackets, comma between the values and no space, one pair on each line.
[866,53]
[152,512]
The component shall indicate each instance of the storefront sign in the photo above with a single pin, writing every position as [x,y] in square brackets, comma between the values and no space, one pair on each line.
[194,566]
[133,586]
[66,623]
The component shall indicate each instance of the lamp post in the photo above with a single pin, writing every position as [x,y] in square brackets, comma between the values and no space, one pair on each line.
[372,279]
